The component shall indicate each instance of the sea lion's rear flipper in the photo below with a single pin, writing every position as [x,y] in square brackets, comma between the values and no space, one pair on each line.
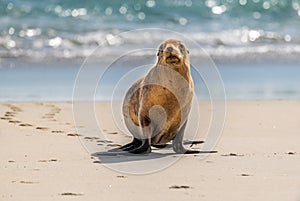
[127,147]
[144,148]
[135,147]
[178,144]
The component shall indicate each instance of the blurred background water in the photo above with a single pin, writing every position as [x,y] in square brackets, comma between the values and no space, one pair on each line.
[255,43]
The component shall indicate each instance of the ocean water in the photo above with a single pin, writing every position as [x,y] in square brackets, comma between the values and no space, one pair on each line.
[225,28]
[254,43]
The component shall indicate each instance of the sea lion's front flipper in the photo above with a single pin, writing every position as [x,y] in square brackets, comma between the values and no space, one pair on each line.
[178,145]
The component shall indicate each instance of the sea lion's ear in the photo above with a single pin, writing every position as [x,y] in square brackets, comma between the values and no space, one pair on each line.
[160,49]
[188,51]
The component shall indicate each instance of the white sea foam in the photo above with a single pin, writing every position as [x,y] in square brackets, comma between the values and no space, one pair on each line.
[224,46]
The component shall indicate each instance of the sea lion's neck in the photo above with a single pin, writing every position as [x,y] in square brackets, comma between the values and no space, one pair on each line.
[183,69]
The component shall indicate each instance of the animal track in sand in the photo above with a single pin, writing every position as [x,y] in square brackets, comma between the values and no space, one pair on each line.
[112,132]
[71,194]
[246,175]
[59,131]
[121,176]
[54,108]
[5,118]
[50,160]
[25,125]
[42,128]
[91,138]
[29,182]
[107,143]
[15,108]
[9,114]
[179,187]
[291,153]
[52,113]
[73,134]
[14,121]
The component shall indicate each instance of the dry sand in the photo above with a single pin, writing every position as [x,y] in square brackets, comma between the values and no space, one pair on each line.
[258,158]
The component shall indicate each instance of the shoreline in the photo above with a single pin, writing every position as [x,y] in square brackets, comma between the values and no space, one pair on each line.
[42,81]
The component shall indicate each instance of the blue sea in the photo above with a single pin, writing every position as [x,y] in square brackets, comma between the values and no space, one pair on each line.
[254,44]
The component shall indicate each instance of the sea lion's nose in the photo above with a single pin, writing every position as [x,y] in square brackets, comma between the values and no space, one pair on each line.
[169,49]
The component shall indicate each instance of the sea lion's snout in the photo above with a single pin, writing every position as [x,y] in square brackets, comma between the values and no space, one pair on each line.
[173,59]
[172,54]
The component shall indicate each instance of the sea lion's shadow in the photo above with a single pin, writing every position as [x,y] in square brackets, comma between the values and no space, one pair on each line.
[105,157]
[102,158]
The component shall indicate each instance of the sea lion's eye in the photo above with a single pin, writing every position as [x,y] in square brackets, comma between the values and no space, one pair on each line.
[182,48]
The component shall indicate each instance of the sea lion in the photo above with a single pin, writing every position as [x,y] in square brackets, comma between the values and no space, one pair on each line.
[156,107]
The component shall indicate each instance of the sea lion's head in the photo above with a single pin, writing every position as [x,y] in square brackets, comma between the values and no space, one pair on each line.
[173,53]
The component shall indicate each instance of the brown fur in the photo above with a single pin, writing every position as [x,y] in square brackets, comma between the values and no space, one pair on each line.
[173,93]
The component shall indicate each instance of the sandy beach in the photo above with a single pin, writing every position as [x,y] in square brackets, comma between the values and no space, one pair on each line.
[42,158]
[56,52]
